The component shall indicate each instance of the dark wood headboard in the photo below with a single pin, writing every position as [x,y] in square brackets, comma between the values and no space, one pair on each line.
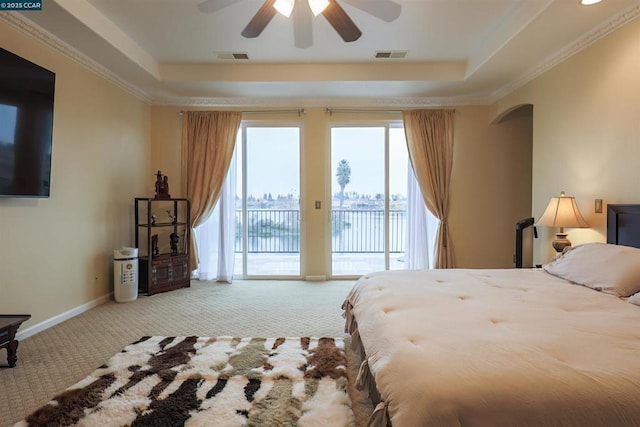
[623,225]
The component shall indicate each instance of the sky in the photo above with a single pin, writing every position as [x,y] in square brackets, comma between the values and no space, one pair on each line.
[363,148]
[273,160]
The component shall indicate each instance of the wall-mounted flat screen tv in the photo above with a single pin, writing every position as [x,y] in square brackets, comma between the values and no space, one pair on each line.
[26,127]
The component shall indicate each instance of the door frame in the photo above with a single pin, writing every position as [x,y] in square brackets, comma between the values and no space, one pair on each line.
[383,123]
[275,123]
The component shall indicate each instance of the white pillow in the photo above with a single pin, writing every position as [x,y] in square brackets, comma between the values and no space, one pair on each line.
[604,267]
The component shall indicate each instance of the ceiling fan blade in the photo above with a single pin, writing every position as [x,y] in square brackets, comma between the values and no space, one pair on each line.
[387,10]
[210,6]
[263,16]
[341,22]
[302,24]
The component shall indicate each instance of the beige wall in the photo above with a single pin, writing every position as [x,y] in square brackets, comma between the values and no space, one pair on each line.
[491,186]
[491,182]
[586,131]
[166,132]
[55,252]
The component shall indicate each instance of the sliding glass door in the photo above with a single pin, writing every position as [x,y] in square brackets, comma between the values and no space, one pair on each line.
[368,198]
[268,201]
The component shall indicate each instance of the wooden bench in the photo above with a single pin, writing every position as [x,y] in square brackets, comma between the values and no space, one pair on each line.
[9,324]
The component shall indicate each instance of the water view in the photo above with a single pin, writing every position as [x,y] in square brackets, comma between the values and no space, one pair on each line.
[368,165]
[274,228]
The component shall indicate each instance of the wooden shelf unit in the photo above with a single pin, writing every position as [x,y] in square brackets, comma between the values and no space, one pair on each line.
[164,260]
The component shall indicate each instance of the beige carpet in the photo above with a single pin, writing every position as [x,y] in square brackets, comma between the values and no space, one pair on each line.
[56,358]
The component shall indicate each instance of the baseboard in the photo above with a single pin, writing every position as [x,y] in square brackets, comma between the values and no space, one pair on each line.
[315,278]
[32,330]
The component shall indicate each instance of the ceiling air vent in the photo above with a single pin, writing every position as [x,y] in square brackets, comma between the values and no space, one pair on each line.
[391,54]
[233,55]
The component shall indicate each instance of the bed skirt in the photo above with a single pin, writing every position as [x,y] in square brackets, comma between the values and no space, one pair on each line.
[365,380]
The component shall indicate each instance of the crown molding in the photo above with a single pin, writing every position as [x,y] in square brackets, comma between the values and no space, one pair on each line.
[30,28]
[565,53]
[408,102]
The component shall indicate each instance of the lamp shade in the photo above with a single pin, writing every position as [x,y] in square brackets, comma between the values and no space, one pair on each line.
[562,212]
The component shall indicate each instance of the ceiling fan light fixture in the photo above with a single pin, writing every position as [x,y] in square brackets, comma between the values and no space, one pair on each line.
[284,7]
[318,6]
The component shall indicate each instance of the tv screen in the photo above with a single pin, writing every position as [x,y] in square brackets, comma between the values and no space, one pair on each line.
[26,124]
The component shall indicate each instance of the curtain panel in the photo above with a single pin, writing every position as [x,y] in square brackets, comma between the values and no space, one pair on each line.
[217,234]
[208,142]
[429,135]
[422,227]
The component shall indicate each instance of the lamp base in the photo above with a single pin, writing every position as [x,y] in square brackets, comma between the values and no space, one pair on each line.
[560,242]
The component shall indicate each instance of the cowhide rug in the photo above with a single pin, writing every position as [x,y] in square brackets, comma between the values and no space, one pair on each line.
[198,381]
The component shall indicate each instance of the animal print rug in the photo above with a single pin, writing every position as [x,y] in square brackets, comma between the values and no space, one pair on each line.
[199,381]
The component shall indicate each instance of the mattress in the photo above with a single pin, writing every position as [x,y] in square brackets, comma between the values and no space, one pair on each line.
[496,348]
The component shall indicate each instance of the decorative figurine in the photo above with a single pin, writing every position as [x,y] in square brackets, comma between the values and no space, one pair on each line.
[159,184]
[165,183]
[174,219]
[154,245]
[174,238]
[162,186]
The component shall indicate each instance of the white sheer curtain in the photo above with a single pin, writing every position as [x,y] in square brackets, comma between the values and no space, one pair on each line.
[422,227]
[216,235]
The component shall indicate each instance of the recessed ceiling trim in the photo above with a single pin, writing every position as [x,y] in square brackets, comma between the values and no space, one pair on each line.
[372,103]
[512,24]
[86,13]
[326,72]
[571,49]
[28,27]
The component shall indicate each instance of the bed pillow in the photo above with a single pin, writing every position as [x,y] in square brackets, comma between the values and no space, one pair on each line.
[604,267]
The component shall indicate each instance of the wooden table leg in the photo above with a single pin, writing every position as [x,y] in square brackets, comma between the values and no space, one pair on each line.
[12,353]
[9,324]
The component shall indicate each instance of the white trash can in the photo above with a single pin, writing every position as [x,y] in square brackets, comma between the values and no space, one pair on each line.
[125,274]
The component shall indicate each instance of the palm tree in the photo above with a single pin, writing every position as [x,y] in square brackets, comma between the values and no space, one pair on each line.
[344,177]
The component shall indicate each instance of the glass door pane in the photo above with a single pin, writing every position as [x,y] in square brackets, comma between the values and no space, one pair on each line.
[358,200]
[398,174]
[272,201]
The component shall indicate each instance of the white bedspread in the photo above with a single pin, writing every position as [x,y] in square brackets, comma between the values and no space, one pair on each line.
[498,348]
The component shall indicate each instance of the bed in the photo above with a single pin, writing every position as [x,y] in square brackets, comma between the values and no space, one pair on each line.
[554,346]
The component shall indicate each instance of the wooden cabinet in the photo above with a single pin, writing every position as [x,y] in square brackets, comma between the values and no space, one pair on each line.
[162,239]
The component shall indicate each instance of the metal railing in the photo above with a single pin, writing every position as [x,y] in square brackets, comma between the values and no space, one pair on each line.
[269,231]
[352,231]
[362,230]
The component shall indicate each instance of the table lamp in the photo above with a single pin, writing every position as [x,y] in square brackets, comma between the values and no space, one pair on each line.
[562,212]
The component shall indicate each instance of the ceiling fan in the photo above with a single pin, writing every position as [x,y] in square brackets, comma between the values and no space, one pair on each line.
[302,12]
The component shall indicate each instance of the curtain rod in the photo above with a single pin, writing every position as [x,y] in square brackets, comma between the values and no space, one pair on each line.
[330,111]
[299,112]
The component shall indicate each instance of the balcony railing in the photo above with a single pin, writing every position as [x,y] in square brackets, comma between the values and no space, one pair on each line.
[362,231]
[352,231]
[270,231]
